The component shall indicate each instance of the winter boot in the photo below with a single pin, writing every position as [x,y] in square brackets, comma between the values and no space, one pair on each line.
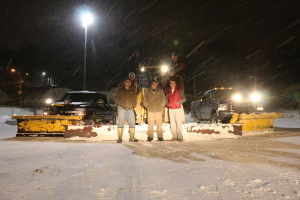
[131,133]
[160,139]
[120,133]
[149,139]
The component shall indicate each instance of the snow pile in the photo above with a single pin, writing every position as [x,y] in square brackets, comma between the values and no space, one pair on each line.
[289,122]
[191,132]
[7,112]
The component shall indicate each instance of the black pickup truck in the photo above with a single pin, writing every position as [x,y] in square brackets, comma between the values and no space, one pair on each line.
[219,104]
[92,105]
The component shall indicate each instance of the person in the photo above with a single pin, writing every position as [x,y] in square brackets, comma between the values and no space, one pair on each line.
[154,101]
[126,99]
[175,98]
[172,76]
[177,65]
[134,61]
[138,109]
[134,85]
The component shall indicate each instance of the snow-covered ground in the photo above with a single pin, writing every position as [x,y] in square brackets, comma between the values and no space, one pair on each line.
[261,165]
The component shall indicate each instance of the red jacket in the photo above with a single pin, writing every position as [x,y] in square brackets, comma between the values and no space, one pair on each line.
[173,99]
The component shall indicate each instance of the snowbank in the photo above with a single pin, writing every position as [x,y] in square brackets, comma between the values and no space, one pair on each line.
[289,122]
[191,132]
[7,112]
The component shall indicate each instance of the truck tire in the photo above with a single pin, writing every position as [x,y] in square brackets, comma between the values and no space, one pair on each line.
[196,118]
[115,119]
[214,118]
[89,122]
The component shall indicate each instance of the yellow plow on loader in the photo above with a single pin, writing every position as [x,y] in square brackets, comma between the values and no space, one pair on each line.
[45,125]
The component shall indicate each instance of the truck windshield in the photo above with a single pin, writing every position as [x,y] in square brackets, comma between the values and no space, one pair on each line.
[85,97]
[223,94]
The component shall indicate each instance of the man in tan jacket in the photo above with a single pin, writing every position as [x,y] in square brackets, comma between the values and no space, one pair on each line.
[154,101]
[125,98]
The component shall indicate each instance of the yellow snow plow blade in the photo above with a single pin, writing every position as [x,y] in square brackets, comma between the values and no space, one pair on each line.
[253,121]
[45,124]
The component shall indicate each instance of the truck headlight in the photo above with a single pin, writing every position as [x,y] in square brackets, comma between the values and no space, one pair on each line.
[255,97]
[49,101]
[259,107]
[80,111]
[237,97]
[222,107]
[46,113]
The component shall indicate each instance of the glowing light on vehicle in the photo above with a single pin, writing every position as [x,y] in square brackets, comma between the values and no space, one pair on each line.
[222,107]
[87,19]
[259,107]
[164,68]
[255,97]
[142,69]
[237,97]
[49,101]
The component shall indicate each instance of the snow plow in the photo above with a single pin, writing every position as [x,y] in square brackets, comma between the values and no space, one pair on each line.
[75,108]
[255,121]
[227,105]
[43,125]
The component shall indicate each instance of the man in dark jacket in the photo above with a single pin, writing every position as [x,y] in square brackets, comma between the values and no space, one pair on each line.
[134,62]
[175,98]
[177,65]
[154,101]
[125,98]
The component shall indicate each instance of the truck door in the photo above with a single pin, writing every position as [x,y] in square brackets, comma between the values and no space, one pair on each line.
[205,107]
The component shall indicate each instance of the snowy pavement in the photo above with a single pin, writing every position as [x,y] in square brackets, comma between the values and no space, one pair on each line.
[261,165]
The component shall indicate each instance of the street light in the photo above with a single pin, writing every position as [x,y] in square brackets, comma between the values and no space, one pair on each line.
[86,20]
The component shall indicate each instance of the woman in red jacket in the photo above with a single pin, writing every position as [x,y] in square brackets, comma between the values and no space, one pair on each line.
[175,98]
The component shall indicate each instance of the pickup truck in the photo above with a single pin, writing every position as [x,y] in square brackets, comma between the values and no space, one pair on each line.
[94,106]
[219,104]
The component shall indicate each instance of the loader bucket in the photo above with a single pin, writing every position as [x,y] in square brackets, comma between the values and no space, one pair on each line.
[254,121]
[46,125]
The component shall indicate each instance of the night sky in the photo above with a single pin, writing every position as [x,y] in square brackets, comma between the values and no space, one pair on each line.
[222,42]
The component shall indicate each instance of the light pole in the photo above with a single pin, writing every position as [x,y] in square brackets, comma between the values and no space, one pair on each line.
[86,20]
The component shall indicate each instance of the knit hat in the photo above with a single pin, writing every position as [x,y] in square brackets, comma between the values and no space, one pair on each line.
[131,74]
